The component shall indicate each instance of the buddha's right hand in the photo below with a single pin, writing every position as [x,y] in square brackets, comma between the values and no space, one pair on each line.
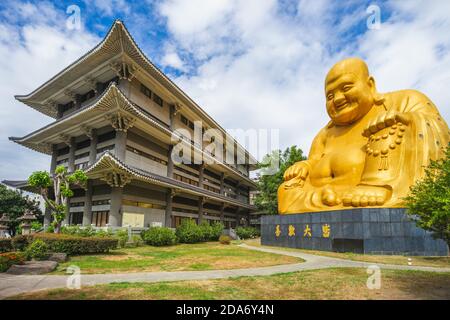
[299,170]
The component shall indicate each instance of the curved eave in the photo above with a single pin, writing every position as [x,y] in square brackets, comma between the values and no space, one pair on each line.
[108,162]
[110,46]
[21,185]
[111,98]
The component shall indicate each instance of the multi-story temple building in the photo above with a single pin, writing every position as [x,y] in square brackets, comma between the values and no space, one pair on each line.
[115,117]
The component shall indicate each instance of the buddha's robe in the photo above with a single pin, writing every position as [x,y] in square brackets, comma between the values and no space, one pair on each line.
[342,158]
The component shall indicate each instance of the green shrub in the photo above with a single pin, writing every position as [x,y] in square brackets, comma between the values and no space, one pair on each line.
[224,239]
[206,231]
[7,259]
[247,232]
[71,245]
[137,240]
[37,250]
[20,242]
[189,232]
[5,245]
[217,229]
[159,236]
[122,236]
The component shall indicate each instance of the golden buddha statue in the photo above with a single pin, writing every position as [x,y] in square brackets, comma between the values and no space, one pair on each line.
[373,149]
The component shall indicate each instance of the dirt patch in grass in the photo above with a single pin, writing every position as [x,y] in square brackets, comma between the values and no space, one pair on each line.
[338,283]
[443,262]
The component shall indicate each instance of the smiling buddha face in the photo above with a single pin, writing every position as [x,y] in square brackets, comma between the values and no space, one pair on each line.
[350,91]
[374,148]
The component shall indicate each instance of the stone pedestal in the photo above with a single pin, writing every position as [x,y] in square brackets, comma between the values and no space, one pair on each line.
[368,230]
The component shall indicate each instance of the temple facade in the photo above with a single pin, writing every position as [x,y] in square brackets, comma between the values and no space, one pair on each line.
[115,117]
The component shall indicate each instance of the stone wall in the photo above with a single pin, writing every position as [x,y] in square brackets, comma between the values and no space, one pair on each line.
[367,230]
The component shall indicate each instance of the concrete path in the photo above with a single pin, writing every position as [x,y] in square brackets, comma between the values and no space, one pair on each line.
[12,285]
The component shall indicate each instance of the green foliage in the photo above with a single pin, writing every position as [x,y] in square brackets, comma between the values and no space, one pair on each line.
[20,242]
[62,183]
[137,240]
[429,199]
[217,229]
[60,170]
[78,177]
[36,225]
[5,245]
[14,204]
[9,258]
[224,239]
[189,232]
[122,236]
[37,250]
[159,236]
[266,200]
[247,232]
[69,244]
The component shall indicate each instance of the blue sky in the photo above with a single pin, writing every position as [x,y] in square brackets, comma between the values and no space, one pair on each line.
[265,59]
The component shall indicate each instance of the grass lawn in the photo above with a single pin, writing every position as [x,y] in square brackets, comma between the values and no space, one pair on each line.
[388,259]
[339,283]
[202,256]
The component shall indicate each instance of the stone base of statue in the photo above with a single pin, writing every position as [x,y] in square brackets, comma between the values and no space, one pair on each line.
[384,231]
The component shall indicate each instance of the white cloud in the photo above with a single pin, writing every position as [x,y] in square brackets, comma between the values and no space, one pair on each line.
[172,59]
[108,7]
[30,55]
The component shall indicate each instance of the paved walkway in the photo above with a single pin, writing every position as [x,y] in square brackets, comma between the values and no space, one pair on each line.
[12,285]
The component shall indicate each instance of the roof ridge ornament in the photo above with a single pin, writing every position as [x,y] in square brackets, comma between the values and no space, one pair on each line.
[66,139]
[72,95]
[124,70]
[116,179]
[120,122]
[91,83]
[88,131]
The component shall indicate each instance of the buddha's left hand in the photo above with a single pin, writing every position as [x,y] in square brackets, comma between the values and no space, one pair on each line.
[386,119]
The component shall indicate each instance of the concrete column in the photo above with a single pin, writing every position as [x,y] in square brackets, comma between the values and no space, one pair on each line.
[48,219]
[201,170]
[115,213]
[53,162]
[77,101]
[60,111]
[172,117]
[169,200]
[99,88]
[87,212]
[201,201]
[120,145]
[71,167]
[222,186]
[170,162]
[93,147]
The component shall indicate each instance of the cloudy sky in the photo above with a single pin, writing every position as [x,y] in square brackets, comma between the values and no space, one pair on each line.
[262,59]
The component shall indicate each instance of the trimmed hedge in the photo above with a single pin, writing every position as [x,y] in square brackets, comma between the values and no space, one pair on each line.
[7,259]
[67,243]
[159,236]
[37,250]
[5,245]
[189,232]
